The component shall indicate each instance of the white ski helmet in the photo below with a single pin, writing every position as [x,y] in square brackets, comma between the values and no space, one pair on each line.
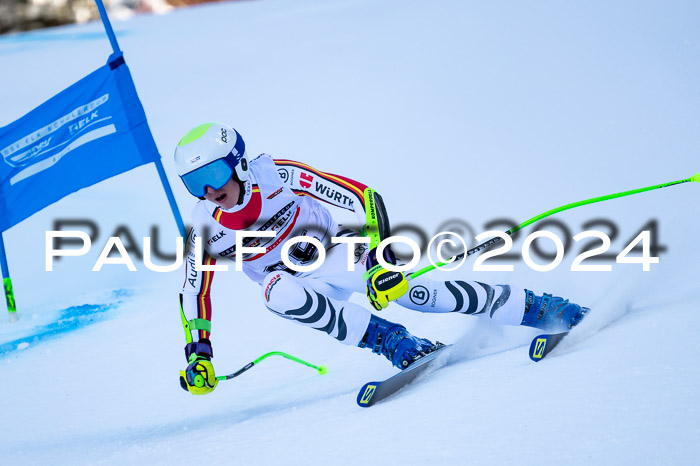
[208,155]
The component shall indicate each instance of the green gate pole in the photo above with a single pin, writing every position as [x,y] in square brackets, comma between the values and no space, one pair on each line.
[7,282]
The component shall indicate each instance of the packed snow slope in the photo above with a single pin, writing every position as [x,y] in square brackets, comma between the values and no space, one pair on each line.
[452,110]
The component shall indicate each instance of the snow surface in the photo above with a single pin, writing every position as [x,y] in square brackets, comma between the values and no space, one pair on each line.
[452,110]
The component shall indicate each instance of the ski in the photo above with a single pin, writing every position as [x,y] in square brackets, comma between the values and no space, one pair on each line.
[373,392]
[542,345]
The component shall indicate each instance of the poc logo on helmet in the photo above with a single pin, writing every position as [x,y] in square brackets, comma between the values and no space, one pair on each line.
[223,135]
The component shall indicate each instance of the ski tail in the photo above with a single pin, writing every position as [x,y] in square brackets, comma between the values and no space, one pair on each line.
[542,345]
[364,397]
[373,392]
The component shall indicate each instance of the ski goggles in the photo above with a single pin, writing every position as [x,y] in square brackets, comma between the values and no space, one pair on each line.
[214,174]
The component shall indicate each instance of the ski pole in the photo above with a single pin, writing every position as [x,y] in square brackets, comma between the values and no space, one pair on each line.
[496,240]
[321,369]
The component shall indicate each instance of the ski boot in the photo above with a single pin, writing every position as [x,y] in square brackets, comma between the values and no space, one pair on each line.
[551,313]
[395,342]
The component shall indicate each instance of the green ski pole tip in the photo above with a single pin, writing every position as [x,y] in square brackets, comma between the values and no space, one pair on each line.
[696,177]
[323,370]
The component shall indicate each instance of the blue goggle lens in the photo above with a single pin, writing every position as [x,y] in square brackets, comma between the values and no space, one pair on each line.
[215,174]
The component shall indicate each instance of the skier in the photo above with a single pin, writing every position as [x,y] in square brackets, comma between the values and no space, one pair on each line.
[284,197]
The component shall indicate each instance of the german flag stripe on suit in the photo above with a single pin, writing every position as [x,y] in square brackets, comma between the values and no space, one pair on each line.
[355,188]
